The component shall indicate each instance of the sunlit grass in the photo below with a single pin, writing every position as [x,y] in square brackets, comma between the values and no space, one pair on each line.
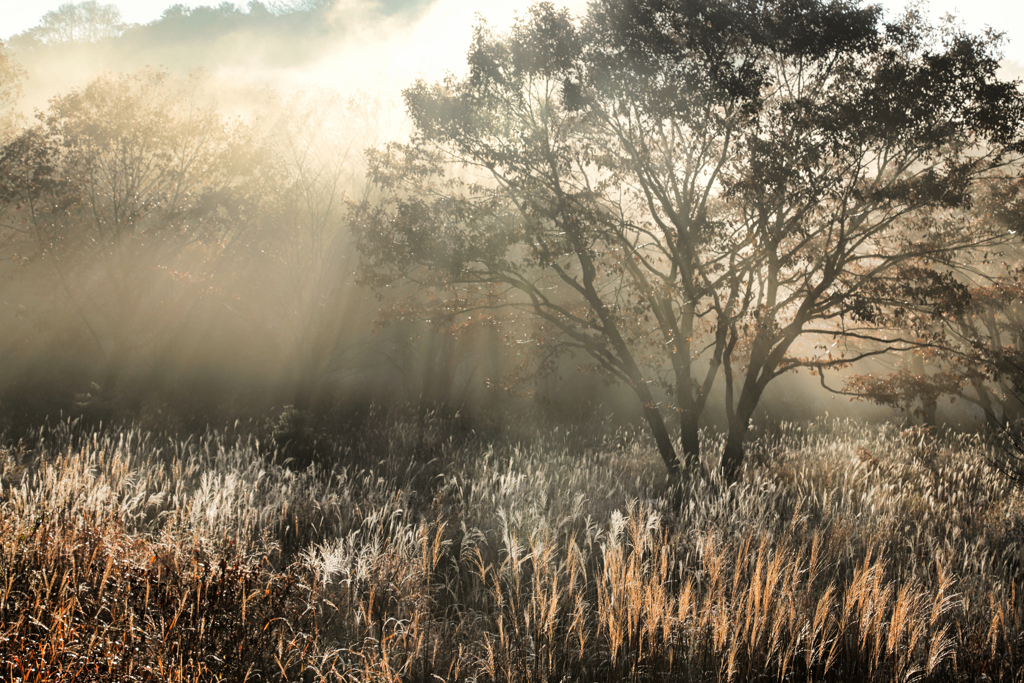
[848,553]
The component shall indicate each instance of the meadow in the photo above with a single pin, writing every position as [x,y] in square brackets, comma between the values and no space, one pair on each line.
[409,552]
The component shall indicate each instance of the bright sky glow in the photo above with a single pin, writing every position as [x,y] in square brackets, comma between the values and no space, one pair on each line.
[1003,15]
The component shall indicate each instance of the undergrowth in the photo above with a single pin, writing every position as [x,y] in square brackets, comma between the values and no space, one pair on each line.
[846,554]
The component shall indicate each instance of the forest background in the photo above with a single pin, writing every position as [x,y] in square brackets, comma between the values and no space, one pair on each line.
[311,333]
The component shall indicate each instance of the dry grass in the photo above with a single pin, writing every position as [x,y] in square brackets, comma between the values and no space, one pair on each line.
[849,554]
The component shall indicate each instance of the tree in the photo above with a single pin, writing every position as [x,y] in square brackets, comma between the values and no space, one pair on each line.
[87,21]
[11,75]
[971,346]
[130,192]
[694,192]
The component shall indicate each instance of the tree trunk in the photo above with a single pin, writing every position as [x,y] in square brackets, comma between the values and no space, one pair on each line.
[734,454]
[689,435]
[985,401]
[659,430]
[929,411]
[929,401]
[689,405]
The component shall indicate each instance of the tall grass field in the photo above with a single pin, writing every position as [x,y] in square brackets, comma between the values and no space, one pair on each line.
[846,553]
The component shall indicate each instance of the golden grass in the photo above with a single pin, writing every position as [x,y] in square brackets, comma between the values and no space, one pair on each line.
[850,554]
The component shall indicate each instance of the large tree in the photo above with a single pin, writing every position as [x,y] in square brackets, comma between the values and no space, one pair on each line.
[692,192]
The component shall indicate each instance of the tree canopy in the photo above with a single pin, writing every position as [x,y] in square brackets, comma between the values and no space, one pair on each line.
[87,21]
[694,194]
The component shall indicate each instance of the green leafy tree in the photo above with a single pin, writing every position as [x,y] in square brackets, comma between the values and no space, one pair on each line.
[693,192]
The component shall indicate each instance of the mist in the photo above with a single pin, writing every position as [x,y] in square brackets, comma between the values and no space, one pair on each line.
[239,293]
[347,46]
[260,309]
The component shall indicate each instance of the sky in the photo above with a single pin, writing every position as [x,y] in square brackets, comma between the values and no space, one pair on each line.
[1004,15]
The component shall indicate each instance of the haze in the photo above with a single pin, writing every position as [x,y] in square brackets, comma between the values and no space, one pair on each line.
[312,88]
[645,341]
[452,19]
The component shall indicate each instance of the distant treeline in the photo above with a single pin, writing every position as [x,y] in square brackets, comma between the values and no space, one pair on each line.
[271,35]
